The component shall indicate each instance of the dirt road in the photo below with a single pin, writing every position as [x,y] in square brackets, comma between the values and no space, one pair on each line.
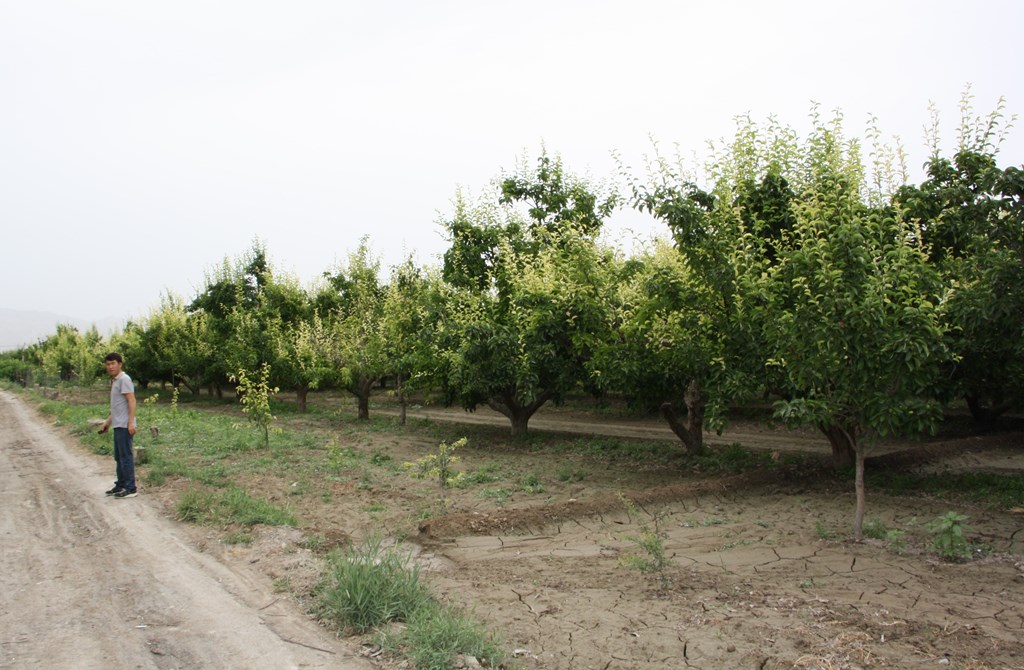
[552,420]
[89,582]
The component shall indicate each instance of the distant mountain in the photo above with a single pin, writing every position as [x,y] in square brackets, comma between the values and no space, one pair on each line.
[19,328]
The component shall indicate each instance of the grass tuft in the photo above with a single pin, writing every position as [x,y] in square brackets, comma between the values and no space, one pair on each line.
[436,635]
[369,586]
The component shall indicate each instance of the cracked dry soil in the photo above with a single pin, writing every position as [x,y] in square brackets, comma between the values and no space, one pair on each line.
[753,578]
[752,581]
[749,585]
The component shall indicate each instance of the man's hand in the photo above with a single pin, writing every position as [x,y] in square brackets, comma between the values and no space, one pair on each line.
[104,427]
[131,428]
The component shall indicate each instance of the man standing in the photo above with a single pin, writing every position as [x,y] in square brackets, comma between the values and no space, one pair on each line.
[122,419]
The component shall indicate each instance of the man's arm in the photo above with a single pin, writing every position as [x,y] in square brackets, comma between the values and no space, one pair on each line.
[130,397]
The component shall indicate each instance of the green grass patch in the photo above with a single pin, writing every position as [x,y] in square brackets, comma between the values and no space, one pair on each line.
[874,529]
[496,493]
[729,459]
[370,585]
[379,458]
[568,474]
[436,634]
[531,483]
[487,474]
[825,532]
[733,458]
[1000,491]
[342,459]
[617,449]
[232,506]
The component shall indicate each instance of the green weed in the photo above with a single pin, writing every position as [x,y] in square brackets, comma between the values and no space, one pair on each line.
[895,542]
[341,459]
[314,543]
[370,585]
[895,539]
[439,465]
[948,538]
[874,529]
[824,532]
[531,484]
[568,474]
[437,634]
[650,541]
[485,475]
[498,494]
[378,458]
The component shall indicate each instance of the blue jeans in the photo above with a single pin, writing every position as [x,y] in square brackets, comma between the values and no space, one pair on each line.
[125,459]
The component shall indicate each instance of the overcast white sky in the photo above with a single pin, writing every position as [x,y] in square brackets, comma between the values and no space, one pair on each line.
[142,142]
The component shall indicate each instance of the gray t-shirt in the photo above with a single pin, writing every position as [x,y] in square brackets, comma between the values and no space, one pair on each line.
[120,385]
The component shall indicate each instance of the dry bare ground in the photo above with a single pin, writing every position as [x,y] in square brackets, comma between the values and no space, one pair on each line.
[751,581]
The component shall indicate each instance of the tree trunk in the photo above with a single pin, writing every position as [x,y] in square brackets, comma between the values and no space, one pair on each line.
[362,392]
[692,431]
[520,424]
[400,390]
[518,414]
[984,416]
[858,517]
[301,391]
[842,441]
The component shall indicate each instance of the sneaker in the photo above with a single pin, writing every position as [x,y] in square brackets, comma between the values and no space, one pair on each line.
[125,493]
[114,491]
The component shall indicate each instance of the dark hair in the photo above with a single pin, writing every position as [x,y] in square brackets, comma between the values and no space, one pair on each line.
[114,356]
